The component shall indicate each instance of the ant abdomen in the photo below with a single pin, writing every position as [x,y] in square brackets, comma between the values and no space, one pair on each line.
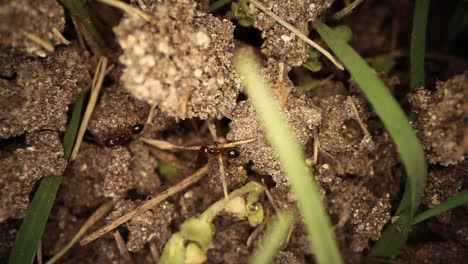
[120,139]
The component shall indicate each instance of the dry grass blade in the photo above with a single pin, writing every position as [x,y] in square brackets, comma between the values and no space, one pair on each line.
[97,84]
[59,36]
[297,32]
[127,8]
[96,216]
[147,205]
[122,248]
[164,145]
[39,41]
[345,11]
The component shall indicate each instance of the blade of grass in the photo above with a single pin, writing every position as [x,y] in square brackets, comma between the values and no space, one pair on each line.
[34,222]
[292,158]
[274,238]
[79,10]
[452,202]
[418,43]
[397,125]
[217,5]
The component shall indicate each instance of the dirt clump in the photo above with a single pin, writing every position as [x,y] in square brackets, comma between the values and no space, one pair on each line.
[116,113]
[301,113]
[99,174]
[197,79]
[21,168]
[280,43]
[229,242]
[152,225]
[345,142]
[442,119]
[25,17]
[360,213]
[443,184]
[39,93]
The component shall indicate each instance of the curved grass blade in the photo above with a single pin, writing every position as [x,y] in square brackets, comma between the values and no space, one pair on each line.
[397,125]
[217,5]
[418,43]
[275,237]
[34,222]
[452,202]
[292,158]
[80,11]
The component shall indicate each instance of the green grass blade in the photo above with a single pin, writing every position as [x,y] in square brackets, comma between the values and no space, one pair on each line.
[418,43]
[274,238]
[80,11]
[396,123]
[292,158]
[217,5]
[34,222]
[458,200]
[73,126]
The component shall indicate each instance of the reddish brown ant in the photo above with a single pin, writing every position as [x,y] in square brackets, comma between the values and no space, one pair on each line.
[118,140]
[229,152]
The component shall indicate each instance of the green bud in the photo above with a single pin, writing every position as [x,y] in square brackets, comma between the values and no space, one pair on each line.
[194,254]
[174,250]
[199,231]
[255,214]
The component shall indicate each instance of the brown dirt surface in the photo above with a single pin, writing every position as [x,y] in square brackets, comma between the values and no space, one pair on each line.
[21,168]
[116,113]
[246,125]
[38,17]
[174,76]
[153,225]
[40,91]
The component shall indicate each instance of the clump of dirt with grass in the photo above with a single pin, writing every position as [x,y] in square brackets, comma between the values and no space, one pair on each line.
[172,102]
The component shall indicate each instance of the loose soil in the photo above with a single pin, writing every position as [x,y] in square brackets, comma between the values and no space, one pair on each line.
[175,76]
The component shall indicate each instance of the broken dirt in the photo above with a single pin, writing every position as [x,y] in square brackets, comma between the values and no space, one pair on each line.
[174,75]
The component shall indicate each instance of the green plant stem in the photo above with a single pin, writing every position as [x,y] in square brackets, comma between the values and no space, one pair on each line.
[418,43]
[217,5]
[209,214]
[458,200]
[292,158]
[34,222]
[274,238]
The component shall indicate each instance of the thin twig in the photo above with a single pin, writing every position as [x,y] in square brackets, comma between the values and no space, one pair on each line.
[38,40]
[147,205]
[164,145]
[358,118]
[297,32]
[59,36]
[95,217]
[97,84]
[127,8]
[316,146]
[222,171]
[39,255]
[154,252]
[122,247]
[223,176]
[346,10]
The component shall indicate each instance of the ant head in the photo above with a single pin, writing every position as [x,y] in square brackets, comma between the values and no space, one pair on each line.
[136,129]
[233,153]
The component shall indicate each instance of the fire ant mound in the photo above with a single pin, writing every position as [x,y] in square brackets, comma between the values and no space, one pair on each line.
[171,105]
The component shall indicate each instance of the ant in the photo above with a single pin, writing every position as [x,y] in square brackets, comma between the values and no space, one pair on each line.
[231,153]
[118,140]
